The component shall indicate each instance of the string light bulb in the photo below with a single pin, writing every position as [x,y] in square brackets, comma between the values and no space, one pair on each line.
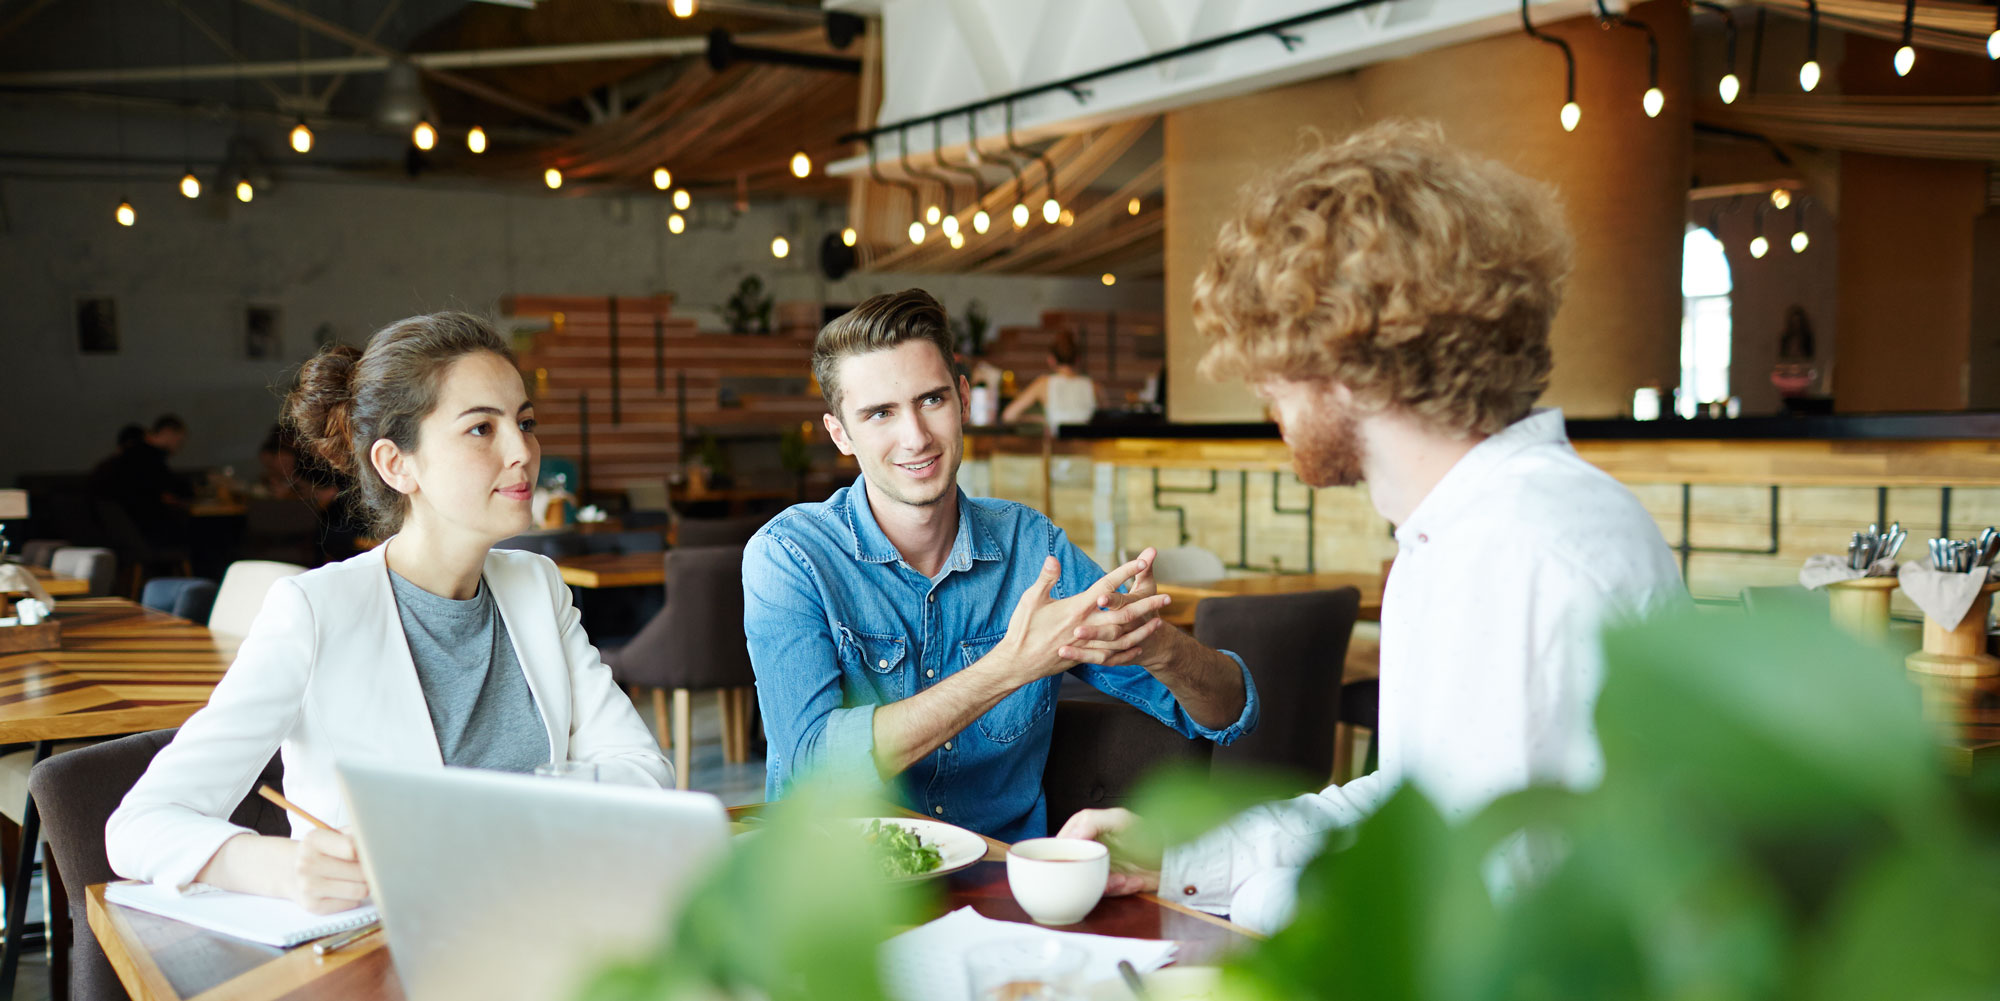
[126,216]
[1729,88]
[1067,218]
[190,185]
[424,136]
[475,140]
[802,165]
[1132,207]
[916,231]
[1781,198]
[1993,40]
[1809,70]
[1051,211]
[957,241]
[1906,59]
[244,192]
[552,177]
[1759,246]
[676,224]
[1800,241]
[1809,75]
[1653,102]
[302,137]
[981,222]
[1571,114]
[1020,215]
[848,237]
[780,247]
[683,8]
[682,199]
[932,214]
[950,226]
[662,178]
[1109,279]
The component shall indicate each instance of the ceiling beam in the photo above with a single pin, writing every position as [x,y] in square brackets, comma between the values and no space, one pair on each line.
[641,48]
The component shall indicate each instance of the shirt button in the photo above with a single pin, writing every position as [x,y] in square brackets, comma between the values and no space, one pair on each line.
[1187,891]
[1421,537]
[930,674]
[940,812]
[881,663]
[947,745]
[931,598]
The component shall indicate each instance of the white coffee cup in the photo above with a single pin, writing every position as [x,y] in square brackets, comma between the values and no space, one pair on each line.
[1058,880]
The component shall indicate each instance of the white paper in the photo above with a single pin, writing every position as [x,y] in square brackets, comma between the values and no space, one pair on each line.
[259,919]
[927,963]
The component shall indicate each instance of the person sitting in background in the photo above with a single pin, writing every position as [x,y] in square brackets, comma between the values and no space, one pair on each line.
[139,480]
[432,648]
[1390,298]
[278,467]
[1066,395]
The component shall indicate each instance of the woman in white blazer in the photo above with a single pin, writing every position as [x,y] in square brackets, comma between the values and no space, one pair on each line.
[433,423]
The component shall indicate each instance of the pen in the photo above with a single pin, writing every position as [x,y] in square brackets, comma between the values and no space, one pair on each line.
[326,945]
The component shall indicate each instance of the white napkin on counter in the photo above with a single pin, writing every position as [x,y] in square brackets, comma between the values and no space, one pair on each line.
[927,963]
[1826,568]
[14,578]
[1943,595]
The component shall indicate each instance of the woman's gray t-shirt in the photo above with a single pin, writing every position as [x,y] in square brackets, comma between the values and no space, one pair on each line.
[479,700]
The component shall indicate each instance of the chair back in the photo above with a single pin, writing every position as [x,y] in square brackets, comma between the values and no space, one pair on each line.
[1100,751]
[38,552]
[554,545]
[696,642]
[190,598]
[241,595]
[1295,646]
[696,533]
[95,564]
[75,793]
[625,542]
[1187,565]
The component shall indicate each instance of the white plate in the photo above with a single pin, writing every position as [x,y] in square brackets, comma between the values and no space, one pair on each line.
[959,846]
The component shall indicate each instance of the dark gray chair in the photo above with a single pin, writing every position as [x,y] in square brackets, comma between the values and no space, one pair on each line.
[190,598]
[625,543]
[95,564]
[1295,646]
[695,644]
[695,533]
[75,793]
[554,545]
[38,552]
[1101,750]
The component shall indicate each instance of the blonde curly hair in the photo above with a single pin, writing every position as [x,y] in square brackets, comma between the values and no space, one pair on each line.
[1414,273]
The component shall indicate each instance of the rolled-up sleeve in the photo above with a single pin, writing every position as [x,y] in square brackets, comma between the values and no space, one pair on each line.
[795,655]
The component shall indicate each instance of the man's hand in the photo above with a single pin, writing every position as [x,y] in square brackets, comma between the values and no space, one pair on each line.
[1135,861]
[1043,627]
[1126,628]
[325,873]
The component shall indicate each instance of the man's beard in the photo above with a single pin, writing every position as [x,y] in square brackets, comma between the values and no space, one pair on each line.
[1326,447]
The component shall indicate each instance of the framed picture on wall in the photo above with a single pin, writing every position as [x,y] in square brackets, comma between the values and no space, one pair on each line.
[260,332]
[97,325]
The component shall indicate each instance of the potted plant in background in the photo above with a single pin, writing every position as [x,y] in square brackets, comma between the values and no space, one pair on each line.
[748,309]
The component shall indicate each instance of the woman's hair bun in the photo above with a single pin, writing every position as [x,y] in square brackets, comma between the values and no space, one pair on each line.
[319,406]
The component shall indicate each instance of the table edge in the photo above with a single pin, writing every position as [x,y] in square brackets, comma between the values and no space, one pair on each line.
[137,972]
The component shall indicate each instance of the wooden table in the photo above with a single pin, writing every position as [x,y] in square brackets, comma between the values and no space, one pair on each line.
[160,959]
[58,585]
[614,570]
[1187,596]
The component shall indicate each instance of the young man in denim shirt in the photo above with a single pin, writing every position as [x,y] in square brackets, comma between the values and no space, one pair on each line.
[905,633]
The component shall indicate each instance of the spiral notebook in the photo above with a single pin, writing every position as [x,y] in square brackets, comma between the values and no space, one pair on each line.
[260,919]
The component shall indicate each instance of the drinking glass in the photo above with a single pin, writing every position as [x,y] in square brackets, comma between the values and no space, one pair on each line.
[1025,969]
[575,771]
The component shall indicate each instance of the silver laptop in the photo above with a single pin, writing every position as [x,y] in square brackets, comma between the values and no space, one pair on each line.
[495,886]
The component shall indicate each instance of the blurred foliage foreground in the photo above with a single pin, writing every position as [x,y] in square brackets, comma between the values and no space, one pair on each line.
[1775,822]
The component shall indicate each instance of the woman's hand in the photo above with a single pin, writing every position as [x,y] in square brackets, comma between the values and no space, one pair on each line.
[321,873]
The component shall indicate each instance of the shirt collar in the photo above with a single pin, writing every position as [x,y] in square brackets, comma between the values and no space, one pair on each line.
[974,541]
[1463,483]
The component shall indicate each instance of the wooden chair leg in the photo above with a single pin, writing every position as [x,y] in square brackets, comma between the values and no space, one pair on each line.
[10,844]
[660,726]
[745,699]
[731,739]
[683,737]
[61,936]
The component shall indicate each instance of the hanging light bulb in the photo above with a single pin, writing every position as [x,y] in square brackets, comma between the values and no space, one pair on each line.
[1800,241]
[981,222]
[683,8]
[1809,75]
[190,185]
[1132,207]
[950,226]
[424,136]
[1781,198]
[780,247]
[682,199]
[1729,88]
[802,165]
[126,216]
[1020,215]
[916,231]
[676,224]
[957,241]
[244,192]
[552,177]
[1571,114]
[1906,58]
[932,214]
[1109,279]
[1993,44]
[1051,211]
[475,140]
[848,237]
[1759,246]
[302,137]
[1653,102]
[1067,218]
[662,178]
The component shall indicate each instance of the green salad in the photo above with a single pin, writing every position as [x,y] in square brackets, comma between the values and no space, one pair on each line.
[900,851]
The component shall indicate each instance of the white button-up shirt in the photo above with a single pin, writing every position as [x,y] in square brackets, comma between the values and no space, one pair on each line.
[1504,575]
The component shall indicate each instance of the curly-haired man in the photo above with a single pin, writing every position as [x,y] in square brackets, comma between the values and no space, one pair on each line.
[1390,298]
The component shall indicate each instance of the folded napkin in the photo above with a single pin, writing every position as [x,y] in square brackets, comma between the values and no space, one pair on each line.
[927,963]
[1943,595]
[15,579]
[1825,569]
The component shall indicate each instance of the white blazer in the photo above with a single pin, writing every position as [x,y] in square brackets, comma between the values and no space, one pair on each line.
[326,674]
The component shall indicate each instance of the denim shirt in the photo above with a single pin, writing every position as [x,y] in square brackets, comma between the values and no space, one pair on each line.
[838,624]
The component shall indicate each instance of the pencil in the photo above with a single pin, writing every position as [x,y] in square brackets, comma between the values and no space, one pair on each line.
[285,804]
